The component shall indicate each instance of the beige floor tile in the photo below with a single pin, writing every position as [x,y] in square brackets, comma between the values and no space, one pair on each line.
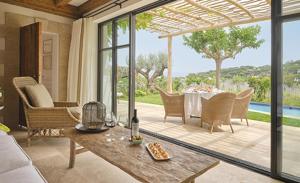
[51,157]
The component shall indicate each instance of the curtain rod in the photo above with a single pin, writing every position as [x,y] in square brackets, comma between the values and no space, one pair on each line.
[105,8]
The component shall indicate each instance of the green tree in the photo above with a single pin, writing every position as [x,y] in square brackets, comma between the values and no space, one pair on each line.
[221,44]
[178,84]
[151,67]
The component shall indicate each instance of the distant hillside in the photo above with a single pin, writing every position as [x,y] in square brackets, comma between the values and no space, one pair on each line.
[291,71]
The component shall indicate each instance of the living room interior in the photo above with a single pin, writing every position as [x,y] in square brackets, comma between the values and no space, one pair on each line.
[107,91]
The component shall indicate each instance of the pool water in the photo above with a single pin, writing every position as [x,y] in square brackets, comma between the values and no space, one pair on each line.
[287,111]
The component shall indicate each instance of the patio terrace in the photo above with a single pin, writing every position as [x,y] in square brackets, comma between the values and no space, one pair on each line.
[247,143]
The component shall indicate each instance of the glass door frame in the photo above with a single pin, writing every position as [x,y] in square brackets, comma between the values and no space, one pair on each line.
[276,92]
[114,48]
[277,21]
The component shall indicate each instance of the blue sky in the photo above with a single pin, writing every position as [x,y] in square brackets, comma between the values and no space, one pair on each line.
[186,60]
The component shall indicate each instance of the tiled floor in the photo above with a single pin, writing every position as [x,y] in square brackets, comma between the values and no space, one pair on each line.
[250,143]
[51,156]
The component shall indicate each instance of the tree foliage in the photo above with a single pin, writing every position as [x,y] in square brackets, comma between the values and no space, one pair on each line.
[261,86]
[222,44]
[143,21]
[199,79]
[151,67]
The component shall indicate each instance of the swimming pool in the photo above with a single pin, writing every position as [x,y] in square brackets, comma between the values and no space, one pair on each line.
[266,108]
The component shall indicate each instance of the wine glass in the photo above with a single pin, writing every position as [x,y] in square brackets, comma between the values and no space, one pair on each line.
[110,120]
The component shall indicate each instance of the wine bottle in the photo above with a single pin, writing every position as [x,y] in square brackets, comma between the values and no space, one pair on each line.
[135,124]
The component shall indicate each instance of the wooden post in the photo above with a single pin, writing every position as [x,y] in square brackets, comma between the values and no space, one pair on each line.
[169,82]
[72,153]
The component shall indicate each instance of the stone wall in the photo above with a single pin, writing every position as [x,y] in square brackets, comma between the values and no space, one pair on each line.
[9,59]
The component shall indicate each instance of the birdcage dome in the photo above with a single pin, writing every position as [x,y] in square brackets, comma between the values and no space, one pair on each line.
[93,115]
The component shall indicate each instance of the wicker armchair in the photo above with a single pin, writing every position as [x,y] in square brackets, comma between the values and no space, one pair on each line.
[173,104]
[42,121]
[241,103]
[217,110]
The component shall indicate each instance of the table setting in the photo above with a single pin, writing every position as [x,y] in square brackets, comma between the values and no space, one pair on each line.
[192,99]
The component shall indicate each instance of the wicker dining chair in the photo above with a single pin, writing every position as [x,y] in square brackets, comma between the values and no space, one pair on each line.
[45,121]
[217,110]
[173,104]
[241,104]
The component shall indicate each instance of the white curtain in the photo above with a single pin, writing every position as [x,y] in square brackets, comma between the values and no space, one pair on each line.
[82,71]
[88,89]
[73,66]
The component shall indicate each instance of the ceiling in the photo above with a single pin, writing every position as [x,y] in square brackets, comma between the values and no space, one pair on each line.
[68,8]
[77,2]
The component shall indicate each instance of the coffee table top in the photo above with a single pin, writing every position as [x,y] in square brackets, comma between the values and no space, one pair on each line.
[114,146]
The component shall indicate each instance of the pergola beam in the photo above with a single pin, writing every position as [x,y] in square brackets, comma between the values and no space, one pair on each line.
[166,26]
[172,18]
[241,7]
[169,79]
[187,15]
[159,30]
[215,26]
[208,9]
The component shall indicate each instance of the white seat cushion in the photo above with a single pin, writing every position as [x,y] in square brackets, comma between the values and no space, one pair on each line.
[7,141]
[12,155]
[2,133]
[27,174]
[39,96]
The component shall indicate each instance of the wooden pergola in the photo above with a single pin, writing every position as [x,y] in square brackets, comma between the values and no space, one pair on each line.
[186,16]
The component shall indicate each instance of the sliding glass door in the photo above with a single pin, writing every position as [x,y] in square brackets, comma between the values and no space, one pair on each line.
[122,57]
[106,65]
[285,89]
[117,86]
[291,85]
[114,67]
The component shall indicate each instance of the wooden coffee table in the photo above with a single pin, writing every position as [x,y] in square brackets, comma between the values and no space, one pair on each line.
[114,147]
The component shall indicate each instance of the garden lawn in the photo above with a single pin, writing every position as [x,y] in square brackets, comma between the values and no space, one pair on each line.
[155,99]
[149,99]
[267,118]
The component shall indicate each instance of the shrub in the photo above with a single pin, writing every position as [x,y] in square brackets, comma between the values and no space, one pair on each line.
[261,86]
[140,93]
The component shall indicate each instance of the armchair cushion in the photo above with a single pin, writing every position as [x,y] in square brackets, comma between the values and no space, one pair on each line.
[39,96]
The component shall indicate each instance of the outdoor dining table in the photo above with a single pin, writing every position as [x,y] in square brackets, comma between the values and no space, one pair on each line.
[192,102]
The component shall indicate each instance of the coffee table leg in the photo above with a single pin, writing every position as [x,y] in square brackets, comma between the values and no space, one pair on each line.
[72,154]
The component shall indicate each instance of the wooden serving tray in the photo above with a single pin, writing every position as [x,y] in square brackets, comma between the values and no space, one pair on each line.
[154,157]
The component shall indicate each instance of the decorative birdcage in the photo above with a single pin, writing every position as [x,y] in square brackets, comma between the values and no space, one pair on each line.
[93,115]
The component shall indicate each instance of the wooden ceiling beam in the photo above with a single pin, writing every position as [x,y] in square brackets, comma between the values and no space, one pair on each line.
[59,7]
[62,2]
[48,6]
[91,5]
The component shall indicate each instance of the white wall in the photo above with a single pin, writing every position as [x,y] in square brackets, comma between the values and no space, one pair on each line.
[4,7]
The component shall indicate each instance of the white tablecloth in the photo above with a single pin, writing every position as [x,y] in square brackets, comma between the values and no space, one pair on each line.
[192,103]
